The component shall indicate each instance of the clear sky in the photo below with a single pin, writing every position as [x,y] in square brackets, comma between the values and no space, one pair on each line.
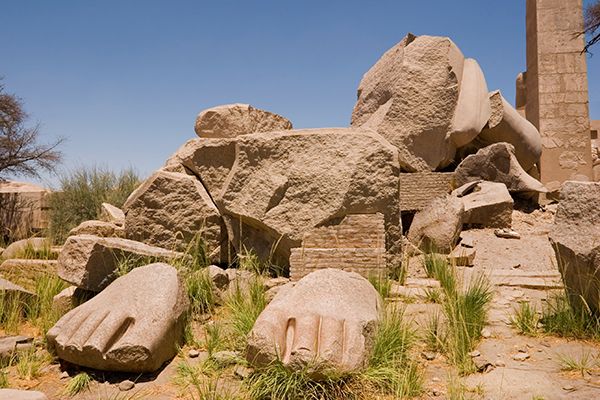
[122,81]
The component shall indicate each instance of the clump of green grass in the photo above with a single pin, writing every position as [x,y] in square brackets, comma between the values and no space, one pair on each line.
[214,338]
[390,371]
[382,284]
[30,363]
[465,313]
[525,319]
[437,267]
[200,292]
[563,318]
[31,252]
[125,264]
[78,384]
[244,305]
[13,308]
[81,193]
[4,383]
[40,311]
[584,364]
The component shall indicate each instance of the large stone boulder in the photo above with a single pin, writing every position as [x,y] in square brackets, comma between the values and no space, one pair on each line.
[170,210]
[284,184]
[410,96]
[575,240]
[232,120]
[20,247]
[327,320]
[210,160]
[497,163]
[134,325]
[507,125]
[437,227]
[487,204]
[90,262]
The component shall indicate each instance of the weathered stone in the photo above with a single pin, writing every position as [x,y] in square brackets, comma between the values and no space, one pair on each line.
[210,160]
[170,210]
[473,107]
[126,385]
[327,320]
[497,163]
[488,205]
[410,96]
[357,244]
[110,213]
[284,184]
[9,289]
[462,256]
[575,241]
[26,272]
[232,120]
[218,277]
[134,325]
[98,228]
[16,249]
[225,358]
[437,227]
[15,394]
[10,346]
[507,125]
[70,298]
[90,262]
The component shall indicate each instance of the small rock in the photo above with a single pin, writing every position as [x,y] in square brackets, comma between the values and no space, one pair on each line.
[64,375]
[436,392]
[546,343]
[516,266]
[126,385]
[242,372]
[506,233]
[485,333]
[435,379]
[499,363]
[482,364]
[428,355]
[193,353]
[569,388]
[520,356]
[218,277]
[474,353]
[225,358]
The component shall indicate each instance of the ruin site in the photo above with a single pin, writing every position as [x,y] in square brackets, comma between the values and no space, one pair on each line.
[445,244]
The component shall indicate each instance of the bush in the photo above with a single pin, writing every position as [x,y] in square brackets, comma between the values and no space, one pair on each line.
[81,193]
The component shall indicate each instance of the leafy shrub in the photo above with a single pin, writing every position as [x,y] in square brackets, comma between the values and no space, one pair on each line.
[81,193]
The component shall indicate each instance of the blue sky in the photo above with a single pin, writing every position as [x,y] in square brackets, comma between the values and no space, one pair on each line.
[122,81]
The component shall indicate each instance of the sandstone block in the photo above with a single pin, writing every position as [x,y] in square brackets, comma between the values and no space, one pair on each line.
[98,228]
[110,213]
[170,210]
[437,227]
[410,96]
[232,120]
[284,184]
[90,262]
[487,204]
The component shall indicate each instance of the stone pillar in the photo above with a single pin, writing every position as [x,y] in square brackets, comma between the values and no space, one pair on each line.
[557,89]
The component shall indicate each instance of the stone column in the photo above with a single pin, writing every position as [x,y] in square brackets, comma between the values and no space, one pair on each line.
[557,89]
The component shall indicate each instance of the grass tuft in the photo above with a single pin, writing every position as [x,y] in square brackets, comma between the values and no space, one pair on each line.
[30,363]
[584,364]
[78,384]
[525,319]
[244,305]
[40,310]
[382,284]
[562,318]
[465,313]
